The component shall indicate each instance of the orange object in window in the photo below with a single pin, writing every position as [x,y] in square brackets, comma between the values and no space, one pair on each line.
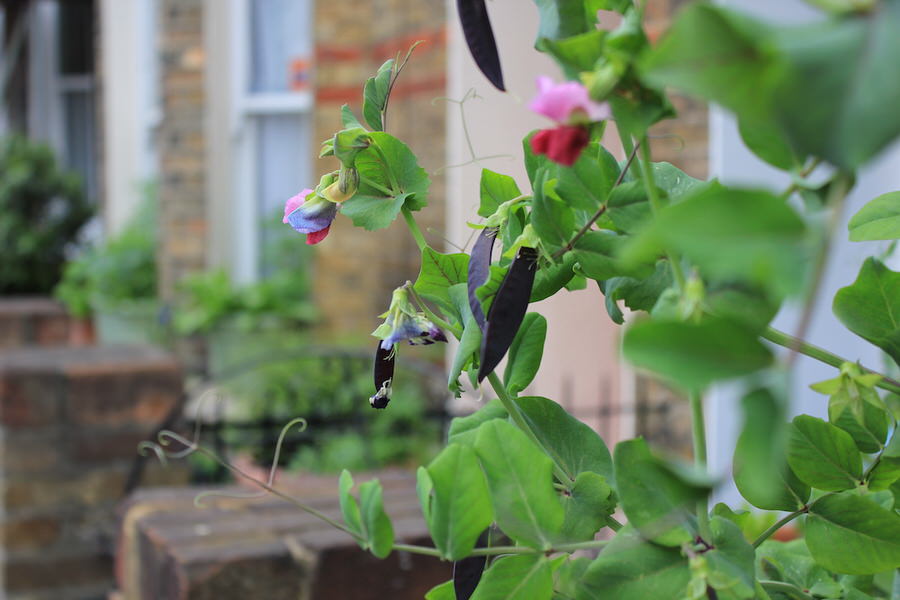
[300,74]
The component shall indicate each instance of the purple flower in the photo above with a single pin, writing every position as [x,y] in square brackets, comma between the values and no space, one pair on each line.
[567,103]
[310,214]
[403,322]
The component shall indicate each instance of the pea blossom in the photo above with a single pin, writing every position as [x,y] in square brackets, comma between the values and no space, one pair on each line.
[309,213]
[401,322]
[570,106]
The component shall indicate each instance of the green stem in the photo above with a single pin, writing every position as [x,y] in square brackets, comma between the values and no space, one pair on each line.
[822,355]
[600,211]
[497,550]
[656,206]
[698,429]
[377,186]
[803,174]
[787,588]
[895,589]
[414,228]
[518,418]
[771,530]
[837,193]
[457,331]
[613,524]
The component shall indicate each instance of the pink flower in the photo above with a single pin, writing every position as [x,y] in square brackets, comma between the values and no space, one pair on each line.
[308,213]
[570,106]
[567,103]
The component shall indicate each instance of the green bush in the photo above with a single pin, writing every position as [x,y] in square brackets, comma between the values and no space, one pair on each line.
[42,209]
[117,273]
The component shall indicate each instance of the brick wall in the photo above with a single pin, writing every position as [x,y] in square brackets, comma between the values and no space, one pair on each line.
[70,423]
[182,173]
[357,270]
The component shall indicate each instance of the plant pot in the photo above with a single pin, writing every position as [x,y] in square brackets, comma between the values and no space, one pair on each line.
[133,322]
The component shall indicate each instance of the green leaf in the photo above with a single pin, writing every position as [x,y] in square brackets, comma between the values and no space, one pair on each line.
[551,217]
[567,577]
[461,506]
[438,272]
[565,18]
[587,506]
[731,569]
[349,506]
[443,591]
[718,55]
[586,184]
[791,562]
[525,353]
[373,212]
[731,234]
[860,412]
[496,189]
[514,577]
[844,68]
[630,568]
[378,530]
[551,278]
[761,473]
[767,141]
[847,533]
[693,355]
[577,53]
[822,455]
[879,219]
[637,294]
[424,487]
[375,95]
[466,354]
[348,119]
[520,478]
[464,429]
[656,501]
[870,307]
[742,304]
[575,446]
[597,254]
[386,164]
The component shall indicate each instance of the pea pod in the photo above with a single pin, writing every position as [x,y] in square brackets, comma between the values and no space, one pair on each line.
[467,572]
[479,270]
[507,310]
[476,26]
[384,376]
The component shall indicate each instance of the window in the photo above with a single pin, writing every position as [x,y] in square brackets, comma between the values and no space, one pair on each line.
[274,103]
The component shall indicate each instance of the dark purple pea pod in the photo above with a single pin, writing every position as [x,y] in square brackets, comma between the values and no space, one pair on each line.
[507,310]
[476,26]
[467,572]
[384,376]
[480,270]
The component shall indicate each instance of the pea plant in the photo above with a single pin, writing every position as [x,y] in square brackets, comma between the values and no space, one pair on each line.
[526,500]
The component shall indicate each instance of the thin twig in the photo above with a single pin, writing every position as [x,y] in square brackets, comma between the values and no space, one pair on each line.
[600,211]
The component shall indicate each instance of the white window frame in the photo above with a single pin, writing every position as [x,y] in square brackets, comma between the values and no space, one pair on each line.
[245,131]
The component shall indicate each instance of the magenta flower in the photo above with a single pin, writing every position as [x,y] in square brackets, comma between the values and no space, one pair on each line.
[570,106]
[308,213]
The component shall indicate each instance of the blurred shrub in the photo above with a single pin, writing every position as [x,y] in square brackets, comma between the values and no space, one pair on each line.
[117,273]
[42,209]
